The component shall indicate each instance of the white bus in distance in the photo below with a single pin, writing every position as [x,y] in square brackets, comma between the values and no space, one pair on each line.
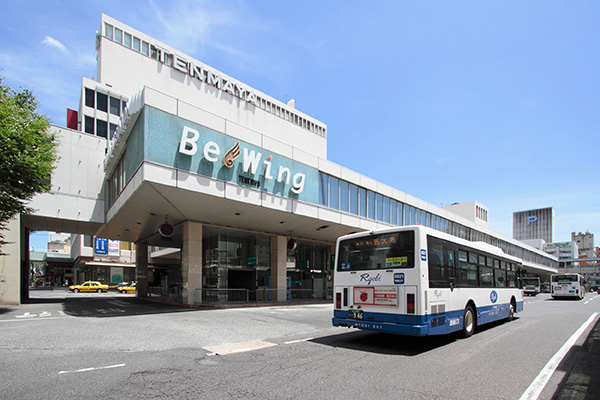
[567,286]
[531,286]
[414,280]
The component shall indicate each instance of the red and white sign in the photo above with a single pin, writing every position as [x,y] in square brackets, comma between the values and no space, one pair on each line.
[376,296]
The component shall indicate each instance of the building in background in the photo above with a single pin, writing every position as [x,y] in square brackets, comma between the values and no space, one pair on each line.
[585,243]
[534,224]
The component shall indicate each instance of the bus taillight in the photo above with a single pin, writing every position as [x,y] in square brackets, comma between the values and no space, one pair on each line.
[338,300]
[410,303]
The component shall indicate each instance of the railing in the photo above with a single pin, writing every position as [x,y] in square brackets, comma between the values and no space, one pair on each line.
[263,295]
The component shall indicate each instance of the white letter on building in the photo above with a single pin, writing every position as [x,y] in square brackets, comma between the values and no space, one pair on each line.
[179,64]
[298,185]
[284,170]
[268,169]
[186,140]
[211,151]
[251,160]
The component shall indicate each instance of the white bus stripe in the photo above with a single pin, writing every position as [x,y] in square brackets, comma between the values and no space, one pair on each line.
[538,384]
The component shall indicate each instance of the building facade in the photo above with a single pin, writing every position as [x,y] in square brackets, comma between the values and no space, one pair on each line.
[222,188]
[534,224]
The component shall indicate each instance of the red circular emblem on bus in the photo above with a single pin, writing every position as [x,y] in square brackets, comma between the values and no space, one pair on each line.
[364,297]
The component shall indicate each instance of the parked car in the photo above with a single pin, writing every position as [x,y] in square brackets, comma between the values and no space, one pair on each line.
[127,287]
[89,286]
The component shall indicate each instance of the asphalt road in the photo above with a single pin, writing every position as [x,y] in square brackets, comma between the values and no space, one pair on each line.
[115,346]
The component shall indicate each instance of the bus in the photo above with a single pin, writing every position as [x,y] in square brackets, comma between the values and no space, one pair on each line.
[417,281]
[567,286]
[531,286]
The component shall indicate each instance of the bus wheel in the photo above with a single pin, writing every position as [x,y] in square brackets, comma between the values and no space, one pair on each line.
[468,322]
[511,310]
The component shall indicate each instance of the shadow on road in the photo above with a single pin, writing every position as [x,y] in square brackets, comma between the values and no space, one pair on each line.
[385,343]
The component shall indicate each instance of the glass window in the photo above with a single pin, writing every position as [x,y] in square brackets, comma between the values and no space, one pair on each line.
[123,106]
[481,260]
[89,97]
[115,106]
[136,44]
[127,39]
[145,48]
[101,128]
[486,276]
[379,206]
[362,202]
[370,204]
[400,213]
[353,199]
[102,102]
[323,189]
[118,35]
[89,125]
[384,251]
[393,212]
[413,215]
[344,196]
[334,193]
[108,30]
[406,215]
[112,128]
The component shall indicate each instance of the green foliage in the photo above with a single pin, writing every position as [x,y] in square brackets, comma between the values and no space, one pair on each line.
[28,152]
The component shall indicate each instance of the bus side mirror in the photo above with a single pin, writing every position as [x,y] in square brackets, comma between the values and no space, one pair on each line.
[452,281]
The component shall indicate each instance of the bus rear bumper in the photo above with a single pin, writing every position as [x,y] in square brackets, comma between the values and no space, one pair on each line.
[387,327]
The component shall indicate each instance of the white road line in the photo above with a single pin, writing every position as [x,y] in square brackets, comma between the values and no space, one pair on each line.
[298,341]
[91,369]
[535,389]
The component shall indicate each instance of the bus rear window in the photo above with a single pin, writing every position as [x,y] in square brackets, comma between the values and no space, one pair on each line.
[564,278]
[384,251]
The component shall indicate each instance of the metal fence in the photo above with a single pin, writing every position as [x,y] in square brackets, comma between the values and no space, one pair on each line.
[263,295]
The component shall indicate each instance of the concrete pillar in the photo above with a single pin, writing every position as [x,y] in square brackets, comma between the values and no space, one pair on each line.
[191,263]
[141,269]
[278,268]
[10,263]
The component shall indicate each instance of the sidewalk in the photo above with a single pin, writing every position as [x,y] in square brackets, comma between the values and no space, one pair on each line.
[583,381]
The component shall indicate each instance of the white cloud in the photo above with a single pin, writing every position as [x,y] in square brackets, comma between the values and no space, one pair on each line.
[51,42]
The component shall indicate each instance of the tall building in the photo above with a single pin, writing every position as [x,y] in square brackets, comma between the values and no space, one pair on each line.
[585,242]
[534,224]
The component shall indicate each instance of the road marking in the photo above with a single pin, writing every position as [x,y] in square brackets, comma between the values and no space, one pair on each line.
[91,369]
[240,347]
[539,383]
[26,315]
[298,341]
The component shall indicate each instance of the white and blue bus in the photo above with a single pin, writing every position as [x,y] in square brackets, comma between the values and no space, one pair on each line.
[414,280]
[567,286]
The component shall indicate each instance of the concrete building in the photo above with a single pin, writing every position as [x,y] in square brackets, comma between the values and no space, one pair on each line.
[534,224]
[222,188]
[585,243]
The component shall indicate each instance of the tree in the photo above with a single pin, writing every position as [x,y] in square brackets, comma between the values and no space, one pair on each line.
[28,151]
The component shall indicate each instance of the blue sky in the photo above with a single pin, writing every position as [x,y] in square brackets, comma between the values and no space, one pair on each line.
[448,101]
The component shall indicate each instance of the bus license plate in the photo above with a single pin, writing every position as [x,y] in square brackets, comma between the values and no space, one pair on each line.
[355,314]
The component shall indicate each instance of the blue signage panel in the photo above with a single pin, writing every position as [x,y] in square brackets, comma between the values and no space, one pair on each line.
[101,246]
[172,141]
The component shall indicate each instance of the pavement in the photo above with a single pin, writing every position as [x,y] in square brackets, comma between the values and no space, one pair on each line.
[583,381]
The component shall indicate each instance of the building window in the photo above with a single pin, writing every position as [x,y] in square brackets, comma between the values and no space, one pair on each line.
[101,102]
[145,48]
[101,128]
[108,30]
[370,204]
[115,106]
[344,196]
[89,125]
[112,129]
[127,39]
[334,193]
[362,202]
[353,199]
[118,35]
[379,206]
[136,44]
[89,98]
[323,190]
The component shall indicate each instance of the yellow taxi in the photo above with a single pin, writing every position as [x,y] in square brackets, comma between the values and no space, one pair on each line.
[89,286]
[127,287]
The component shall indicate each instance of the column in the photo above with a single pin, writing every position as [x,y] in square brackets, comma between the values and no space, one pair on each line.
[278,268]
[141,269]
[11,264]
[191,263]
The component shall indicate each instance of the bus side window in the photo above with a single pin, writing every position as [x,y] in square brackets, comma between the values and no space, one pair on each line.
[437,274]
[500,274]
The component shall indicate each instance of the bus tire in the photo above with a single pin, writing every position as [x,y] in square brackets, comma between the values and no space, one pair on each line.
[468,322]
[511,310]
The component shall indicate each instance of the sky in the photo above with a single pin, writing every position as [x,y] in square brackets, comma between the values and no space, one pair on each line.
[448,101]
